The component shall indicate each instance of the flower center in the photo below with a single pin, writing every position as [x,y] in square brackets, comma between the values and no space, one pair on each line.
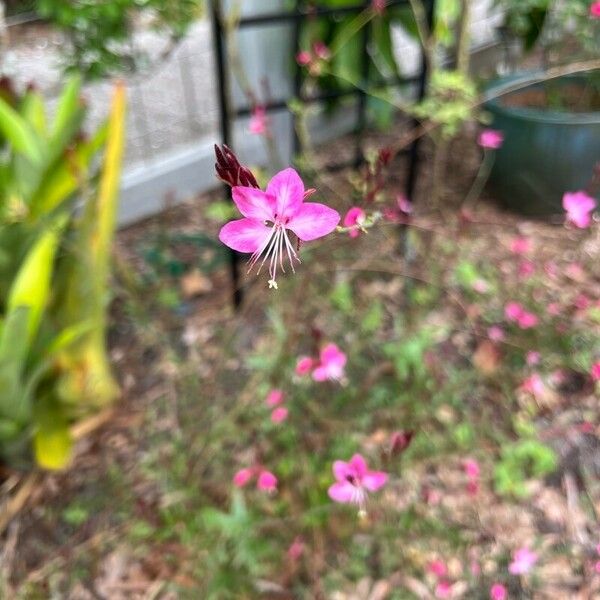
[276,244]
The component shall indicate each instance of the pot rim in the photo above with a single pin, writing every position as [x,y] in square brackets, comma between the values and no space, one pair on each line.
[524,80]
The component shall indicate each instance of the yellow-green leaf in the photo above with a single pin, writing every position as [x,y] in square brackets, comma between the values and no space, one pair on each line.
[19,133]
[52,444]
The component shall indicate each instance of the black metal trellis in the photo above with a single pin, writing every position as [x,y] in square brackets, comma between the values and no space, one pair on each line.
[304,11]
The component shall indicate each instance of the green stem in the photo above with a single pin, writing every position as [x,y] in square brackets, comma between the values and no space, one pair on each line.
[482,177]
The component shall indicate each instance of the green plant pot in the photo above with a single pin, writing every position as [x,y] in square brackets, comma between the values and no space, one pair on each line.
[546,152]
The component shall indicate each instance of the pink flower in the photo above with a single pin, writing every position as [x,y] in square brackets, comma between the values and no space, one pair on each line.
[523,561]
[438,568]
[595,9]
[520,245]
[597,567]
[242,477]
[526,269]
[513,311]
[495,333]
[471,468]
[296,549]
[582,302]
[304,58]
[491,138]
[481,286]
[331,364]
[267,482]
[259,122]
[498,592]
[532,358]
[378,6]
[443,590]
[269,215]
[279,415]
[554,309]
[527,320]
[534,385]
[404,204]
[274,397]
[579,207]
[304,365]
[321,50]
[595,373]
[354,480]
[354,218]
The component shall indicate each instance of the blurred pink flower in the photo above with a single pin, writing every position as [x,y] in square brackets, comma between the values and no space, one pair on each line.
[498,592]
[321,50]
[296,549]
[354,218]
[279,414]
[523,561]
[595,373]
[597,567]
[304,58]
[513,311]
[554,309]
[491,138]
[526,269]
[331,364]
[532,358]
[438,568]
[481,286]
[496,333]
[242,477]
[378,6]
[582,302]
[274,397]
[579,207]
[471,467]
[520,245]
[595,9]
[304,365]
[259,122]
[527,320]
[267,482]
[282,205]
[534,385]
[443,590]
[354,480]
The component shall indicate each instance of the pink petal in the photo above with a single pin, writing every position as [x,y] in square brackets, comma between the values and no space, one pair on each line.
[304,365]
[359,465]
[342,492]
[267,481]
[288,190]
[274,397]
[242,477]
[321,373]
[254,203]
[374,480]
[332,355]
[244,235]
[498,592]
[279,415]
[342,469]
[313,220]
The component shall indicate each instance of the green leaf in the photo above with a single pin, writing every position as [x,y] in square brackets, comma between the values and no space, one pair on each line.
[19,133]
[52,441]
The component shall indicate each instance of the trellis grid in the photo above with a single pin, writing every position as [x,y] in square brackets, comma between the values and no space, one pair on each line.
[303,11]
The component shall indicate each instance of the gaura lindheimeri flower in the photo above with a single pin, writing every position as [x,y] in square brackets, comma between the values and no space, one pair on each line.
[353,482]
[259,122]
[520,245]
[279,414]
[304,365]
[471,467]
[354,218]
[534,385]
[304,58]
[532,358]
[523,561]
[514,312]
[491,139]
[321,50]
[296,549]
[331,364]
[579,207]
[595,373]
[498,592]
[438,568]
[443,590]
[526,269]
[267,482]
[274,398]
[269,216]
[595,9]
[496,333]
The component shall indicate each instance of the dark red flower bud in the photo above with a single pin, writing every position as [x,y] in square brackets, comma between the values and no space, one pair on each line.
[400,441]
[385,156]
[230,171]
